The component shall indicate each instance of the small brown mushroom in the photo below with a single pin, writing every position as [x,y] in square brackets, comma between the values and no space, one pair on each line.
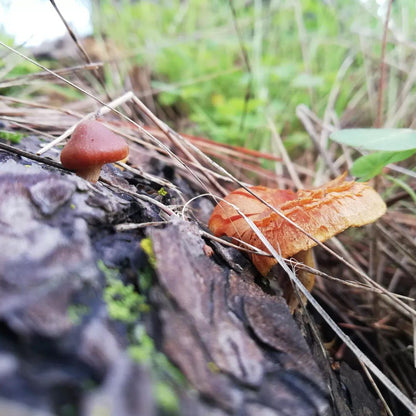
[91,146]
[322,212]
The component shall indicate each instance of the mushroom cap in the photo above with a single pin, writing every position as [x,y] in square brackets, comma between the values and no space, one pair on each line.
[225,220]
[93,144]
[322,212]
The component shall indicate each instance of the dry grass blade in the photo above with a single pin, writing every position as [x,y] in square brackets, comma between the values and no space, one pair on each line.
[151,178]
[310,128]
[247,64]
[377,390]
[44,76]
[380,102]
[176,140]
[13,122]
[282,150]
[32,104]
[81,48]
[105,109]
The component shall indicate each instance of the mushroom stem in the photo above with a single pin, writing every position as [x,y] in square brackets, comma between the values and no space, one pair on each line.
[91,174]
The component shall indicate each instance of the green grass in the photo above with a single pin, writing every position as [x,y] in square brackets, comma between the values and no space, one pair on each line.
[295,50]
[187,43]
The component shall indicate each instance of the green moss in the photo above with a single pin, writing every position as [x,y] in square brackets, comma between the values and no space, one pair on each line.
[10,136]
[125,305]
[145,279]
[143,351]
[166,397]
[123,302]
[165,375]
[77,312]
[109,274]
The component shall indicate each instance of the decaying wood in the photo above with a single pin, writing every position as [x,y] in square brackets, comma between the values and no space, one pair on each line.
[230,335]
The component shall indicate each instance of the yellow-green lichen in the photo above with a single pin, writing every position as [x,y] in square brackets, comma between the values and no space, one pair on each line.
[162,191]
[77,312]
[147,247]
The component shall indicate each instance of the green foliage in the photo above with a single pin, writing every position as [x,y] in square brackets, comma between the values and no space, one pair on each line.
[197,61]
[377,139]
[404,186]
[393,145]
[145,279]
[123,302]
[368,166]
[143,350]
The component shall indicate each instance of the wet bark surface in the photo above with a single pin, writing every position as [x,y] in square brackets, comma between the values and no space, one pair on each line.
[208,337]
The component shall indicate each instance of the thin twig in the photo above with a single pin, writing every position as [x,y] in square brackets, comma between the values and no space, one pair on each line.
[179,141]
[32,156]
[27,128]
[148,176]
[40,105]
[376,389]
[135,226]
[146,198]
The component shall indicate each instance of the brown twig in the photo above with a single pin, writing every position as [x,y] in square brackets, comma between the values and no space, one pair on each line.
[31,156]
